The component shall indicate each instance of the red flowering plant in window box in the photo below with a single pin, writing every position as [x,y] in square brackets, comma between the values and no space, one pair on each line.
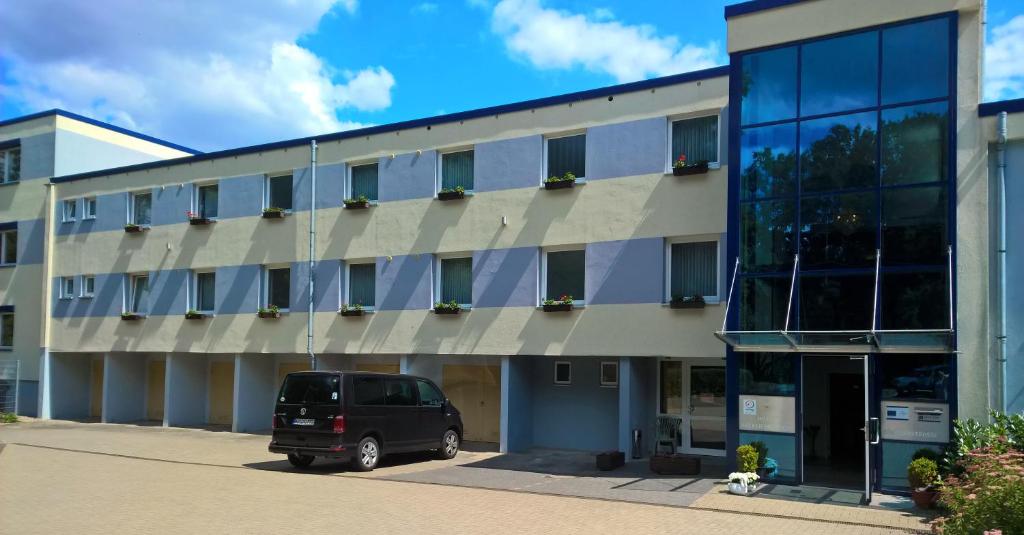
[195,219]
[562,304]
[681,166]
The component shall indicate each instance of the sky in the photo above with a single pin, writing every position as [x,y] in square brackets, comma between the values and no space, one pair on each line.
[231,73]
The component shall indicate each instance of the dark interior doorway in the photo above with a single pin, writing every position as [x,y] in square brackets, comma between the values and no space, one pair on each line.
[833,409]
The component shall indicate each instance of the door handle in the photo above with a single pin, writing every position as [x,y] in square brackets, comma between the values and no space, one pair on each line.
[874,434]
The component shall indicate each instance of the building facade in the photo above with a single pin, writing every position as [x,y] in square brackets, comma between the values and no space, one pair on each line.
[832,225]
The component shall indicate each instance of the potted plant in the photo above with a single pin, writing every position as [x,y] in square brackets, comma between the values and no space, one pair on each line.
[675,464]
[130,316]
[743,483]
[610,460]
[196,219]
[132,228]
[193,314]
[271,311]
[361,201]
[450,307]
[448,194]
[682,167]
[562,304]
[273,212]
[923,475]
[568,180]
[690,301]
[351,310]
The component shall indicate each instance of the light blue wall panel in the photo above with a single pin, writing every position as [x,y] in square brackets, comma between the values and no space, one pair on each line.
[240,196]
[1014,285]
[31,234]
[107,301]
[167,292]
[171,203]
[508,163]
[28,398]
[505,277]
[237,290]
[625,271]
[330,186]
[69,386]
[77,154]
[111,214]
[37,156]
[407,176]
[404,283]
[518,377]
[326,292]
[627,149]
[580,416]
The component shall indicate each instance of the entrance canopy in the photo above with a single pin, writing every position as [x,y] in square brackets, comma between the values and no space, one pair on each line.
[870,340]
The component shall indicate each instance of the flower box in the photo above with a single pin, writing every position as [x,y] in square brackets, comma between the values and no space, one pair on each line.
[273,213]
[695,169]
[559,184]
[268,314]
[924,498]
[351,312]
[675,464]
[196,316]
[450,195]
[356,205]
[199,221]
[134,229]
[610,460]
[558,307]
[447,310]
[131,316]
[686,302]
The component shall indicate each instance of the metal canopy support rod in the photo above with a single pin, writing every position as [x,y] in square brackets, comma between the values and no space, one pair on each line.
[312,251]
[732,286]
[792,285]
[874,306]
[950,253]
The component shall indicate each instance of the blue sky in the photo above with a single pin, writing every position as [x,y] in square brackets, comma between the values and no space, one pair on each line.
[216,75]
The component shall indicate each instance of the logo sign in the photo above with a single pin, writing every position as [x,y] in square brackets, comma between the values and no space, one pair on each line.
[302,411]
[750,407]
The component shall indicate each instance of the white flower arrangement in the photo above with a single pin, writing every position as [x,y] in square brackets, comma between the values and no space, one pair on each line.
[746,478]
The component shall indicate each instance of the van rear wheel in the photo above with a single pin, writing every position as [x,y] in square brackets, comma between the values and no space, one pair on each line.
[449,445]
[367,455]
[300,461]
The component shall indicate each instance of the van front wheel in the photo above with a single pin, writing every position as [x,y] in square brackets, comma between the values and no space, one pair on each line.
[300,461]
[449,445]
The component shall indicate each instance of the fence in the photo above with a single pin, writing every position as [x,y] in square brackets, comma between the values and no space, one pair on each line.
[9,386]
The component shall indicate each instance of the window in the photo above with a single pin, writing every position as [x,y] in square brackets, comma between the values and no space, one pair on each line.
[138,291]
[7,330]
[916,377]
[205,291]
[206,201]
[609,374]
[670,397]
[88,286]
[363,181]
[9,247]
[693,269]
[362,282]
[140,209]
[769,86]
[768,161]
[914,144]
[68,212]
[564,274]
[839,74]
[457,170]
[430,396]
[915,61]
[277,287]
[367,390]
[567,155]
[563,372]
[399,392]
[838,152]
[455,281]
[89,208]
[696,138]
[279,192]
[310,389]
[10,165]
[67,287]
[767,374]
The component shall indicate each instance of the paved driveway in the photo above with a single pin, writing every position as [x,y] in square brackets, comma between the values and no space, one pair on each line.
[96,478]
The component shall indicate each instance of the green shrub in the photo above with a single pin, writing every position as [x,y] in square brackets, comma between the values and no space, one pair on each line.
[762,452]
[922,473]
[8,418]
[746,458]
[1005,432]
[988,496]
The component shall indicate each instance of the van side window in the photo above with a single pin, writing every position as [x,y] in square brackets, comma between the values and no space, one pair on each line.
[400,392]
[429,394]
[368,390]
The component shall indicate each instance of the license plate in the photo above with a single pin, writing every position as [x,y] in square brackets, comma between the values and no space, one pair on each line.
[303,421]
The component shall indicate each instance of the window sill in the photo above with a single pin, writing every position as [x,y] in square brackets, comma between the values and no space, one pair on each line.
[86,296]
[710,301]
[8,265]
[10,183]
[572,184]
[90,218]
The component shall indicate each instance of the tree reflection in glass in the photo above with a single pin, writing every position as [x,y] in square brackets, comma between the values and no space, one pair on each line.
[914,144]
[838,152]
[768,161]
[767,240]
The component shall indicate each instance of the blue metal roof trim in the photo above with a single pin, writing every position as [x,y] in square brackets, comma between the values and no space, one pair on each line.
[986,109]
[642,85]
[101,124]
[753,6]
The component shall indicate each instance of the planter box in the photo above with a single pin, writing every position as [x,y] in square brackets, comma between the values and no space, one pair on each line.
[450,195]
[924,498]
[269,315]
[135,229]
[675,464]
[273,215]
[438,310]
[558,307]
[698,169]
[196,316]
[200,221]
[610,460]
[560,184]
[680,303]
[357,205]
[351,313]
[131,317]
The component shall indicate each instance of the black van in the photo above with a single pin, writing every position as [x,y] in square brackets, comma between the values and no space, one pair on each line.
[361,416]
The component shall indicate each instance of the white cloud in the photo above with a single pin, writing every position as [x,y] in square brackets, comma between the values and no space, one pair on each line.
[1004,61]
[555,39]
[177,70]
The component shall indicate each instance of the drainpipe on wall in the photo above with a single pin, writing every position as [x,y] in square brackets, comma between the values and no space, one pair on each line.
[312,251]
[1001,251]
[43,406]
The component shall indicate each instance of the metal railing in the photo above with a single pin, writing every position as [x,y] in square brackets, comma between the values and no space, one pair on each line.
[9,370]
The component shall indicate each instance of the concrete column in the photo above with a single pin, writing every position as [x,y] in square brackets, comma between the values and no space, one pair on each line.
[505,382]
[255,388]
[403,364]
[625,405]
[66,393]
[124,388]
[44,384]
[516,404]
[185,390]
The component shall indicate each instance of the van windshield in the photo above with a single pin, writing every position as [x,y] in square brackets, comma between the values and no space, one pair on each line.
[310,389]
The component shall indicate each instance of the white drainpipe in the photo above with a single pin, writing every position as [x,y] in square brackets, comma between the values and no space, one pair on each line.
[1001,251]
[312,251]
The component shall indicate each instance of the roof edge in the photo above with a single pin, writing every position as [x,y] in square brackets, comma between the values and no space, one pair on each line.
[753,6]
[986,109]
[630,87]
[100,124]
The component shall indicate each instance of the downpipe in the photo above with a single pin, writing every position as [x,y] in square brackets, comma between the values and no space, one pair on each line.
[1002,133]
[312,252]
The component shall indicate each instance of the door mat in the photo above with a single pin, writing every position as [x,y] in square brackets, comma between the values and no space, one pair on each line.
[811,495]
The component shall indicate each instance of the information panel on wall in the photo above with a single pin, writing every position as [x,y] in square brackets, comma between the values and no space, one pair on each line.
[773,414]
[915,421]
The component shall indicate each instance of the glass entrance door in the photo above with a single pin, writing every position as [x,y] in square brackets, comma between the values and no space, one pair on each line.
[691,408]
